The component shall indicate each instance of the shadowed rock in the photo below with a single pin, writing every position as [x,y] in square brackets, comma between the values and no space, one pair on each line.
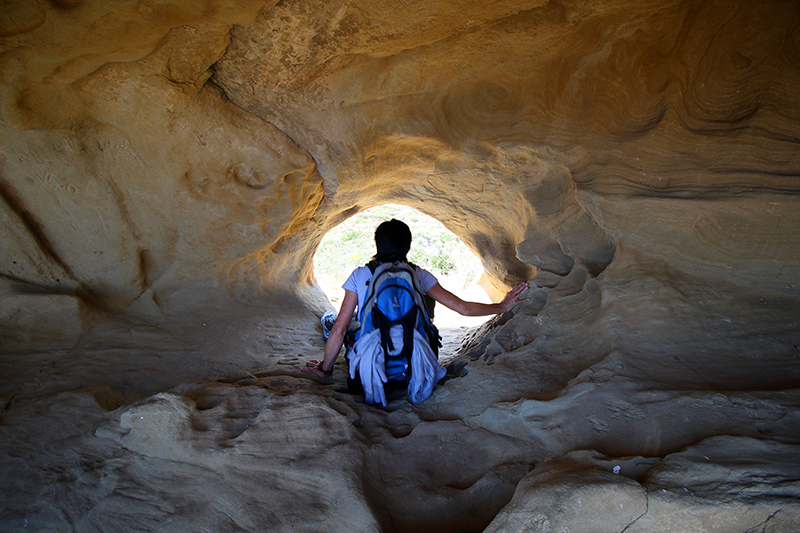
[167,170]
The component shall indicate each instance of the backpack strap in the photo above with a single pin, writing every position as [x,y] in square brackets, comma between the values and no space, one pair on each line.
[407,322]
[372,265]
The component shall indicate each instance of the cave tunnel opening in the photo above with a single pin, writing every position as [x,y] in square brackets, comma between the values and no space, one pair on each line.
[433,247]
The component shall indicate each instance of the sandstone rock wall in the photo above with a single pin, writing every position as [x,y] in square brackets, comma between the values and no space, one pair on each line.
[123,161]
[168,168]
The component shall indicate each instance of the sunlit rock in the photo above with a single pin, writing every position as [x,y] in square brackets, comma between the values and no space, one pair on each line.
[167,170]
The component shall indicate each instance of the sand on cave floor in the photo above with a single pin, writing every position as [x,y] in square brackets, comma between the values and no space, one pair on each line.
[207,422]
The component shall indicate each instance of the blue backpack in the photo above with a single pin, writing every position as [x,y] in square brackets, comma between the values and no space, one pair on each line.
[394,321]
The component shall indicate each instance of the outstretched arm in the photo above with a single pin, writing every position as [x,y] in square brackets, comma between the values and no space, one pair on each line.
[338,331]
[448,299]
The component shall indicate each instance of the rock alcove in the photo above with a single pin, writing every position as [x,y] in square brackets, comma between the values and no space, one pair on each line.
[167,170]
[433,247]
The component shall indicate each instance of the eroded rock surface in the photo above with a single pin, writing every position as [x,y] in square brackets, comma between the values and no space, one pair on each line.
[167,170]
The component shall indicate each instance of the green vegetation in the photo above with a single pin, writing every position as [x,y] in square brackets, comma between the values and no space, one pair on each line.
[434,248]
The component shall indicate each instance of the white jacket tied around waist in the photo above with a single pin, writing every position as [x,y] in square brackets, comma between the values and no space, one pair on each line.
[369,361]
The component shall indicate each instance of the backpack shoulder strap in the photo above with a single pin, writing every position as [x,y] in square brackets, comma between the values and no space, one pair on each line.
[374,264]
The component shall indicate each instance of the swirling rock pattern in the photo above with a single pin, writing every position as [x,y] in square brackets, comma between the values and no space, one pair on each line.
[168,168]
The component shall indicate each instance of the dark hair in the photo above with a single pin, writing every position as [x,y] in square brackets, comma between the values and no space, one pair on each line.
[393,241]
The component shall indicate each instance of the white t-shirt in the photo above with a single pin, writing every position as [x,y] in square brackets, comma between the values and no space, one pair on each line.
[357,282]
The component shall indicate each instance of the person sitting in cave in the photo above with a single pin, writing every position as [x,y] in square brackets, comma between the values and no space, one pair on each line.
[393,242]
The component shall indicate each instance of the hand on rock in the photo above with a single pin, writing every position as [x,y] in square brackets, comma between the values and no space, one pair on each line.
[313,367]
[512,297]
